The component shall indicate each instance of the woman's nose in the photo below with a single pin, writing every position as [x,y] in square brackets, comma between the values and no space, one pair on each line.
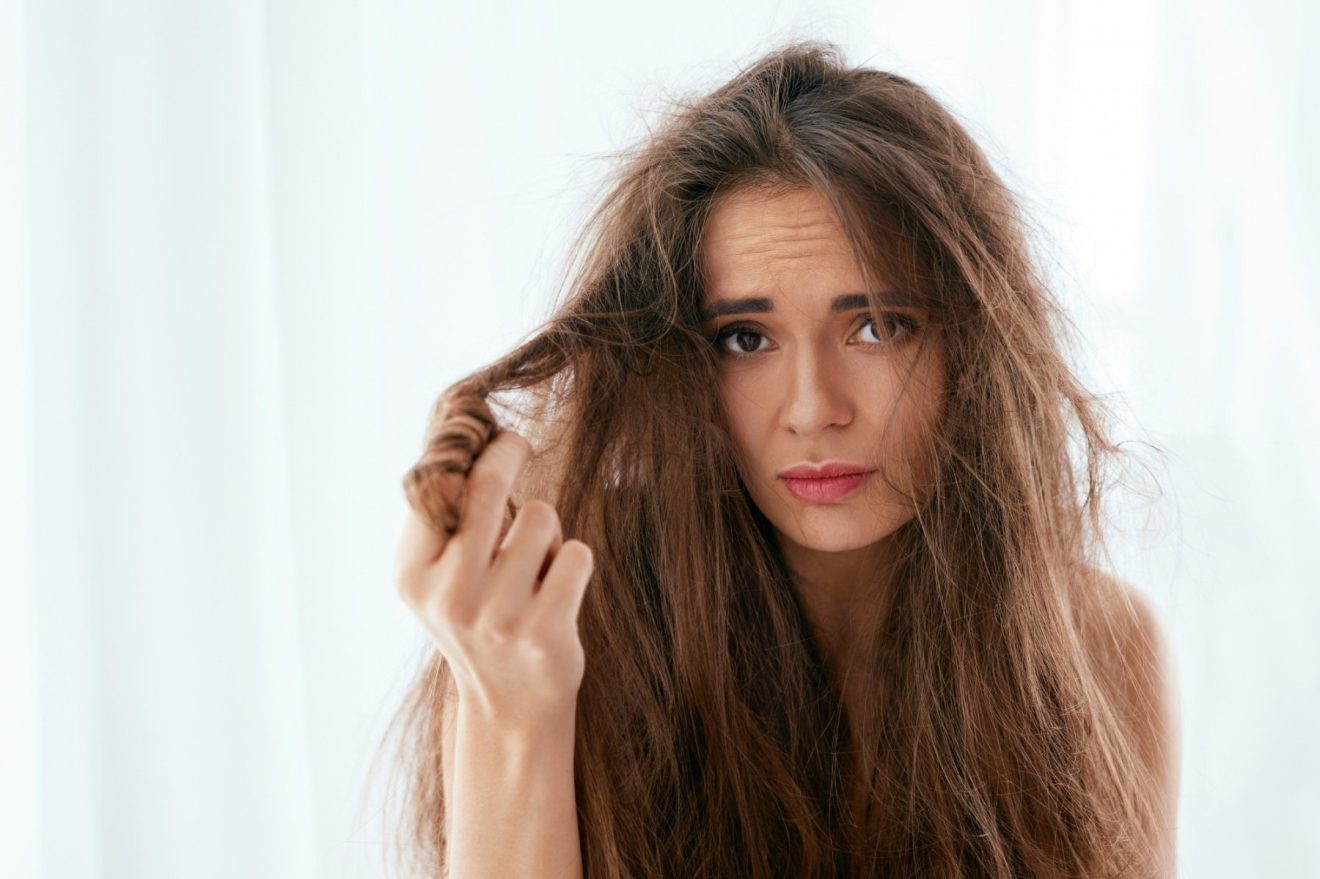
[816,395]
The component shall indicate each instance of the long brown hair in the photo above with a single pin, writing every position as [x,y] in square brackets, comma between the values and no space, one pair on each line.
[711,741]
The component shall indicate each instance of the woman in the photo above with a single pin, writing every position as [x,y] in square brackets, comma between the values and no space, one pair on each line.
[806,417]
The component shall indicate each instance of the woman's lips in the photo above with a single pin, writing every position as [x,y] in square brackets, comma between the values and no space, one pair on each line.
[824,490]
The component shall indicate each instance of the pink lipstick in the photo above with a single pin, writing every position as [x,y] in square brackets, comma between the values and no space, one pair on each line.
[824,482]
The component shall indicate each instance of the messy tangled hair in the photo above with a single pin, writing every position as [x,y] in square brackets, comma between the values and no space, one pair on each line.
[710,739]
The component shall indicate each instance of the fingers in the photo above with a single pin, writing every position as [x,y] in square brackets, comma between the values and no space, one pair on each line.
[418,547]
[489,483]
[500,581]
[526,554]
[560,597]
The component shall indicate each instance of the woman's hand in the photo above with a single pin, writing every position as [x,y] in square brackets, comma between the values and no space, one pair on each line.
[504,617]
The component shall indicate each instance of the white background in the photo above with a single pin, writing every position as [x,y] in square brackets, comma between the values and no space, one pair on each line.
[243,245]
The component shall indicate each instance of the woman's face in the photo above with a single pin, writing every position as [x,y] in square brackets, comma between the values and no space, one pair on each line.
[807,378]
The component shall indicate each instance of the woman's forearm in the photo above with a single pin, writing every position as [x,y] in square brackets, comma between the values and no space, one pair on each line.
[515,809]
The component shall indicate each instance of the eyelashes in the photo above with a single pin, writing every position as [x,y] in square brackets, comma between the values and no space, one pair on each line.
[904,327]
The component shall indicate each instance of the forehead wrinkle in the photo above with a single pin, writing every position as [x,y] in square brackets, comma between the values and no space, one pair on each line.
[763,246]
[749,247]
[762,272]
[757,263]
[759,229]
[751,262]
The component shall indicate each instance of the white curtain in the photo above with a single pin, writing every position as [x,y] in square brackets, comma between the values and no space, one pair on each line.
[243,244]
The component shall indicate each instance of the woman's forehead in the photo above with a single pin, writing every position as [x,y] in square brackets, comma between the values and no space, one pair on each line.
[753,241]
[748,220]
[762,255]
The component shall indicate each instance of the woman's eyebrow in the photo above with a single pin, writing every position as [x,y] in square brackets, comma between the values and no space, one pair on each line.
[842,302]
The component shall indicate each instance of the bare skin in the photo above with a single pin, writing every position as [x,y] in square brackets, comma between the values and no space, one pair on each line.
[1129,645]
[820,384]
[817,384]
[503,609]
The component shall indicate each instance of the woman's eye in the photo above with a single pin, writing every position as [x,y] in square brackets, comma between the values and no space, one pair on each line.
[901,327]
[740,334]
[747,340]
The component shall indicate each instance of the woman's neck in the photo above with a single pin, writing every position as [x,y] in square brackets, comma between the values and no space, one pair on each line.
[840,591]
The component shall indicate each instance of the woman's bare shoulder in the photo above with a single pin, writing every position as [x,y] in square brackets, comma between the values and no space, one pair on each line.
[1127,632]
[1132,653]
[1125,638]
